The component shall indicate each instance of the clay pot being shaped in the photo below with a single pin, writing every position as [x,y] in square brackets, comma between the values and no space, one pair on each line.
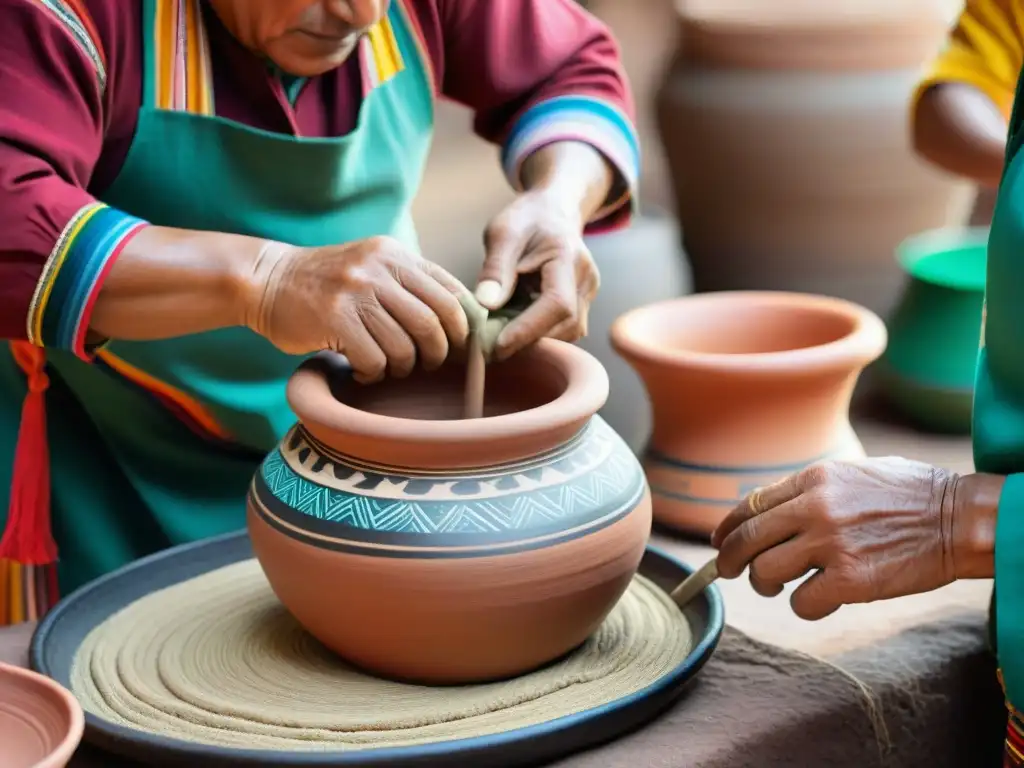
[41,723]
[746,388]
[927,373]
[424,547]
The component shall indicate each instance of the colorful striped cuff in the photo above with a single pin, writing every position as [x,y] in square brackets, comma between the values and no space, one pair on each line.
[587,119]
[59,314]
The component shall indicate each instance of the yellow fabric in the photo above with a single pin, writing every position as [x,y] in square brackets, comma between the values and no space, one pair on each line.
[985,49]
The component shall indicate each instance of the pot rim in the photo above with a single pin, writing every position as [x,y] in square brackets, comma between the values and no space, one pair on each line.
[863,345]
[586,390]
[942,240]
[816,35]
[54,692]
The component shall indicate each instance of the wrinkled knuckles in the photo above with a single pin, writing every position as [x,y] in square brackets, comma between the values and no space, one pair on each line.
[562,310]
[819,505]
[361,280]
[382,245]
[497,231]
[371,373]
[763,573]
[817,475]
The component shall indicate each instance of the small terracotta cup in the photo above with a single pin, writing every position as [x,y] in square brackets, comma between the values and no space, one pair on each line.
[41,723]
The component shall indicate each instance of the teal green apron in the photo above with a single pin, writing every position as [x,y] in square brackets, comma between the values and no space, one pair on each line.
[129,477]
[999,408]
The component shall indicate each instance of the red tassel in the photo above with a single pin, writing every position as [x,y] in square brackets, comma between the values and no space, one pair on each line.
[28,538]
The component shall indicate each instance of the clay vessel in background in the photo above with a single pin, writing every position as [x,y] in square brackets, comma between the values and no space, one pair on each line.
[41,723]
[786,126]
[927,372]
[639,265]
[745,387]
[424,547]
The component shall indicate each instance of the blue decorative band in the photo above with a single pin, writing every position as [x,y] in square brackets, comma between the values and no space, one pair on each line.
[655,457]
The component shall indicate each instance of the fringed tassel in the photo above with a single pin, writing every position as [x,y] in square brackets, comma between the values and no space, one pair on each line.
[28,553]
[27,592]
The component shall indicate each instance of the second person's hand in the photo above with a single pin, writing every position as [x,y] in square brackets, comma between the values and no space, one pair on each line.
[867,530]
[375,301]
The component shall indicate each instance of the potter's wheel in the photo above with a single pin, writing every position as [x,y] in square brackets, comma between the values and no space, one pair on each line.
[188,656]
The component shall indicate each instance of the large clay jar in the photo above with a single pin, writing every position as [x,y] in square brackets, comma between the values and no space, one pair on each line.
[928,370]
[746,387]
[638,265]
[424,547]
[786,126]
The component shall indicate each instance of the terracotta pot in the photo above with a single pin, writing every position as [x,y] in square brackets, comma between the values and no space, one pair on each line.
[639,265]
[746,387]
[41,723]
[786,128]
[424,547]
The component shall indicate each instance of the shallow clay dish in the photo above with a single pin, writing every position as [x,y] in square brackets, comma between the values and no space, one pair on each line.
[40,722]
[61,635]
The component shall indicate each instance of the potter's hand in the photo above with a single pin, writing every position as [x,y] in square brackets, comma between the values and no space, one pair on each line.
[872,530]
[541,235]
[534,237]
[373,300]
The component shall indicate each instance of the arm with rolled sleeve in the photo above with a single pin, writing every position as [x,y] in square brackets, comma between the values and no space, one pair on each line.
[540,72]
[59,241]
[961,107]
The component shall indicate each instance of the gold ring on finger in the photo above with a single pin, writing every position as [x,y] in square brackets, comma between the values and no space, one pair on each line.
[754,501]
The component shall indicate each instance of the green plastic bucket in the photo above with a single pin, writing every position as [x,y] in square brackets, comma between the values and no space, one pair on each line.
[927,371]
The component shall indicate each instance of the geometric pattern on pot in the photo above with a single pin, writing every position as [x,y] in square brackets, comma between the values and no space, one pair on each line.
[334,501]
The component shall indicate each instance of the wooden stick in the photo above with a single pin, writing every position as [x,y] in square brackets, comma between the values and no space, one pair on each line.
[695,583]
[473,398]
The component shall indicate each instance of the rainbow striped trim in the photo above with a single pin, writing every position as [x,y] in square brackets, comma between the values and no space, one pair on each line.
[1014,753]
[27,592]
[59,314]
[586,119]
[1014,738]
[184,74]
[380,58]
[186,408]
[75,18]
[412,22]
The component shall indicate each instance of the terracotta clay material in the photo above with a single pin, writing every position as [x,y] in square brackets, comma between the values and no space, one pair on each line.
[745,387]
[425,547]
[785,125]
[41,723]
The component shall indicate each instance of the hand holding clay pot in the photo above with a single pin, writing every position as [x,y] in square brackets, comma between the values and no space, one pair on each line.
[872,529]
[374,300]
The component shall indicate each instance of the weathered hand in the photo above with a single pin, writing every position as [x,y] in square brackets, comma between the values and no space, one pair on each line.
[373,300]
[538,236]
[872,530]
